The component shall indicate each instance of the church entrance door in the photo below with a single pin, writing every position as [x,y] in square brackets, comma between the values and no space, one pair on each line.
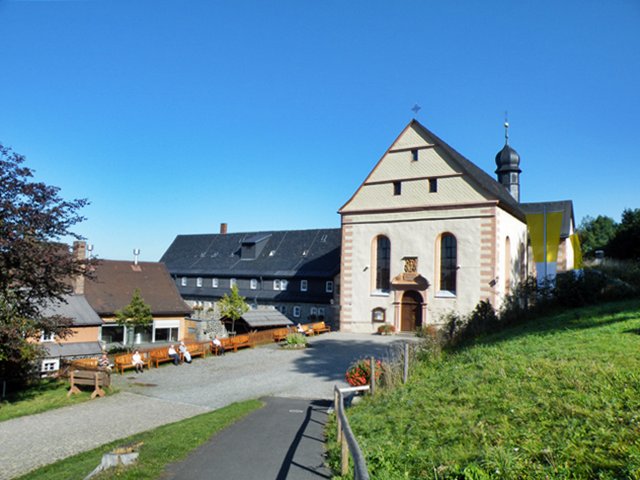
[411,311]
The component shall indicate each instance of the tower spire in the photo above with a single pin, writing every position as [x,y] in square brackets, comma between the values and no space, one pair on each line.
[506,128]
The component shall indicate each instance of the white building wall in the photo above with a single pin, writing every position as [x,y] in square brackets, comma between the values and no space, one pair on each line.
[515,230]
[411,235]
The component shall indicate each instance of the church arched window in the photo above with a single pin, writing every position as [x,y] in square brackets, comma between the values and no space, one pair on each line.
[448,262]
[382,256]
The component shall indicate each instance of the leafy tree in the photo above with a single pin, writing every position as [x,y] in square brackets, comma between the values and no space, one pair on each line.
[596,233]
[35,269]
[136,314]
[626,243]
[232,306]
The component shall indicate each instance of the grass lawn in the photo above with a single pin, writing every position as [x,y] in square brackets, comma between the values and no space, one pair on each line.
[162,445]
[557,398]
[46,395]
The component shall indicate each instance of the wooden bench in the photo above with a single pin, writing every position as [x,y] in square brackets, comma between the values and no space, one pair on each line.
[159,355]
[96,378]
[196,349]
[280,334]
[126,361]
[320,327]
[241,341]
[308,330]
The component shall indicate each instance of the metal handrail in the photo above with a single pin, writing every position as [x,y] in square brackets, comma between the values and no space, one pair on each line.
[346,437]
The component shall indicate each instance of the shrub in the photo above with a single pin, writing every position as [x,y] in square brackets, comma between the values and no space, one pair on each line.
[359,373]
[296,339]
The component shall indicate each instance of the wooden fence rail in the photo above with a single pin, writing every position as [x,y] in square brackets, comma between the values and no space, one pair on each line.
[346,438]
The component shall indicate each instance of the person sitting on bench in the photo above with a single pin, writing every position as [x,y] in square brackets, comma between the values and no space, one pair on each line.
[136,359]
[174,355]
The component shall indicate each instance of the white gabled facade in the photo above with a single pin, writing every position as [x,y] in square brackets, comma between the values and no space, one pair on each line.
[419,199]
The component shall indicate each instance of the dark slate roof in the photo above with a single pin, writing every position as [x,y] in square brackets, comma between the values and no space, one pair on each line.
[476,174]
[265,318]
[564,206]
[72,349]
[76,308]
[303,253]
[115,281]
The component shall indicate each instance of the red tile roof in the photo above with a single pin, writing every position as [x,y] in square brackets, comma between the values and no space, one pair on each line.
[115,281]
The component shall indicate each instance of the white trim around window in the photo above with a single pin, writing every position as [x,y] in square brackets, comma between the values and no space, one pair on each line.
[214,282]
[199,282]
[304,285]
[48,337]
[232,282]
[50,365]
[296,311]
[328,287]
[253,284]
[183,282]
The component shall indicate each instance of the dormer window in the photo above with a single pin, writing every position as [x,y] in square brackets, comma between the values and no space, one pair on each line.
[414,155]
[214,282]
[183,282]
[253,284]
[329,287]
[304,285]
[199,282]
[397,188]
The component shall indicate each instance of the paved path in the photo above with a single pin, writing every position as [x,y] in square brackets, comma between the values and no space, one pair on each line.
[295,453]
[171,393]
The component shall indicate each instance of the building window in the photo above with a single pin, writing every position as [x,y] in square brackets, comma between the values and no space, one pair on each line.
[296,311]
[183,281]
[313,311]
[397,188]
[284,284]
[233,283]
[166,334]
[448,262]
[329,286]
[112,334]
[433,185]
[378,315]
[276,284]
[254,284]
[48,337]
[304,285]
[414,154]
[214,282]
[283,309]
[383,263]
[199,282]
[321,312]
[50,365]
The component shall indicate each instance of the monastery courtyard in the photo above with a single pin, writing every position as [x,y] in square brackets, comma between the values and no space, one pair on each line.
[171,393]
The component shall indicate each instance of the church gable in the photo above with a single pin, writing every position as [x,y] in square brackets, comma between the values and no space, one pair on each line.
[416,171]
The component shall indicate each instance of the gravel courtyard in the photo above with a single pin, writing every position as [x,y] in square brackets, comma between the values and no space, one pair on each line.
[171,393]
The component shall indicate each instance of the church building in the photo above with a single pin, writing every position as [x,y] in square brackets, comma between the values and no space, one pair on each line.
[428,232]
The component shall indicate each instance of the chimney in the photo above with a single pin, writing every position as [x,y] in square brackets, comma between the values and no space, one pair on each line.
[80,254]
[223,229]
[136,253]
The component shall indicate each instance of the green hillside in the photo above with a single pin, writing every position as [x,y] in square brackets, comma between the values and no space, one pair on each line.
[556,398]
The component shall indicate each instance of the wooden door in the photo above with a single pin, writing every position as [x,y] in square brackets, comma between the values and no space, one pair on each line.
[411,316]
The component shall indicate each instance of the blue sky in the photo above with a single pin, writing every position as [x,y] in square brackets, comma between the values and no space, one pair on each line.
[174,116]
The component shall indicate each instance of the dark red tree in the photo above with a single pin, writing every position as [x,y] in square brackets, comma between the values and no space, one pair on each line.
[35,268]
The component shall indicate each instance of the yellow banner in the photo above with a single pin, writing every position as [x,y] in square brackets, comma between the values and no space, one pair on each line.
[536,225]
[577,251]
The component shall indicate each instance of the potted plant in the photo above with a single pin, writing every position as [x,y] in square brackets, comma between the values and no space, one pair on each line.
[359,373]
[386,329]
[295,341]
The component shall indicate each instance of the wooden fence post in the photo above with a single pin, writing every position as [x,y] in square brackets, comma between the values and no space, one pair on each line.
[345,455]
[372,380]
[337,407]
[405,374]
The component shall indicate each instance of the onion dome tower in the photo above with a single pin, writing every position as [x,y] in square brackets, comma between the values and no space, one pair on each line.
[508,162]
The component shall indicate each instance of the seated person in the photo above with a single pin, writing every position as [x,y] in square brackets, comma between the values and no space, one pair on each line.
[174,355]
[217,345]
[103,363]
[185,353]
[136,359]
[300,329]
